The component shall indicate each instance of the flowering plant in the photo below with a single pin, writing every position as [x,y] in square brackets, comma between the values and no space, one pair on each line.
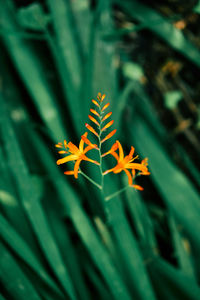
[77,154]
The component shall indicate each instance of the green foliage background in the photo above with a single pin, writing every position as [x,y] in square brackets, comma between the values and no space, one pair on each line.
[58,238]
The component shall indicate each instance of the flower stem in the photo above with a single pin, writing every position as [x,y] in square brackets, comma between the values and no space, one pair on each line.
[116,193]
[100,157]
[90,179]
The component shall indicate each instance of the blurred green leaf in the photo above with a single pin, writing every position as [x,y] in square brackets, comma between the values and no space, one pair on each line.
[182,250]
[171,283]
[12,209]
[13,279]
[162,27]
[33,17]
[133,71]
[127,247]
[141,102]
[175,188]
[31,203]
[172,98]
[143,223]
[67,56]
[196,8]
[22,250]
[32,73]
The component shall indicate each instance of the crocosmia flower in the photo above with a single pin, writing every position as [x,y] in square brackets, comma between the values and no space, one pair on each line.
[125,163]
[76,154]
[99,126]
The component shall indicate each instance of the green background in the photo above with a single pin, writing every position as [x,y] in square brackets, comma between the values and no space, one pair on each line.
[59,238]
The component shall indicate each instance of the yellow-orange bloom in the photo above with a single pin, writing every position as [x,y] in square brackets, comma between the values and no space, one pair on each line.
[77,154]
[124,163]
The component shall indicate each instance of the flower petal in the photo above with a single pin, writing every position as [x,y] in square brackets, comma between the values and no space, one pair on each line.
[112,149]
[66,159]
[137,166]
[117,169]
[69,172]
[137,187]
[76,168]
[145,173]
[130,179]
[121,152]
[132,151]
[81,144]
[86,141]
[133,172]
[88,148]
[62,152]
[116,156]
[72,148]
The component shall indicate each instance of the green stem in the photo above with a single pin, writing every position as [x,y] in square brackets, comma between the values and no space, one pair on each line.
[116,193]
[90,179]
[100,157]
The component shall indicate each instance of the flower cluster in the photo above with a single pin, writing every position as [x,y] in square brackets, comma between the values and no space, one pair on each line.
[101,122]
[75,154]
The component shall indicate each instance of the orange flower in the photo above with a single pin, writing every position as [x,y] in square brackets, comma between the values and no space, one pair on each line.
[77,154]
[126,163]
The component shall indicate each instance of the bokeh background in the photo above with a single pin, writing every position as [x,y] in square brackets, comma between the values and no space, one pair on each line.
[59,239]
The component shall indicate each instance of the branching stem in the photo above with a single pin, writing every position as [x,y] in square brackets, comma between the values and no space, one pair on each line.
[109,197]
[90,179]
